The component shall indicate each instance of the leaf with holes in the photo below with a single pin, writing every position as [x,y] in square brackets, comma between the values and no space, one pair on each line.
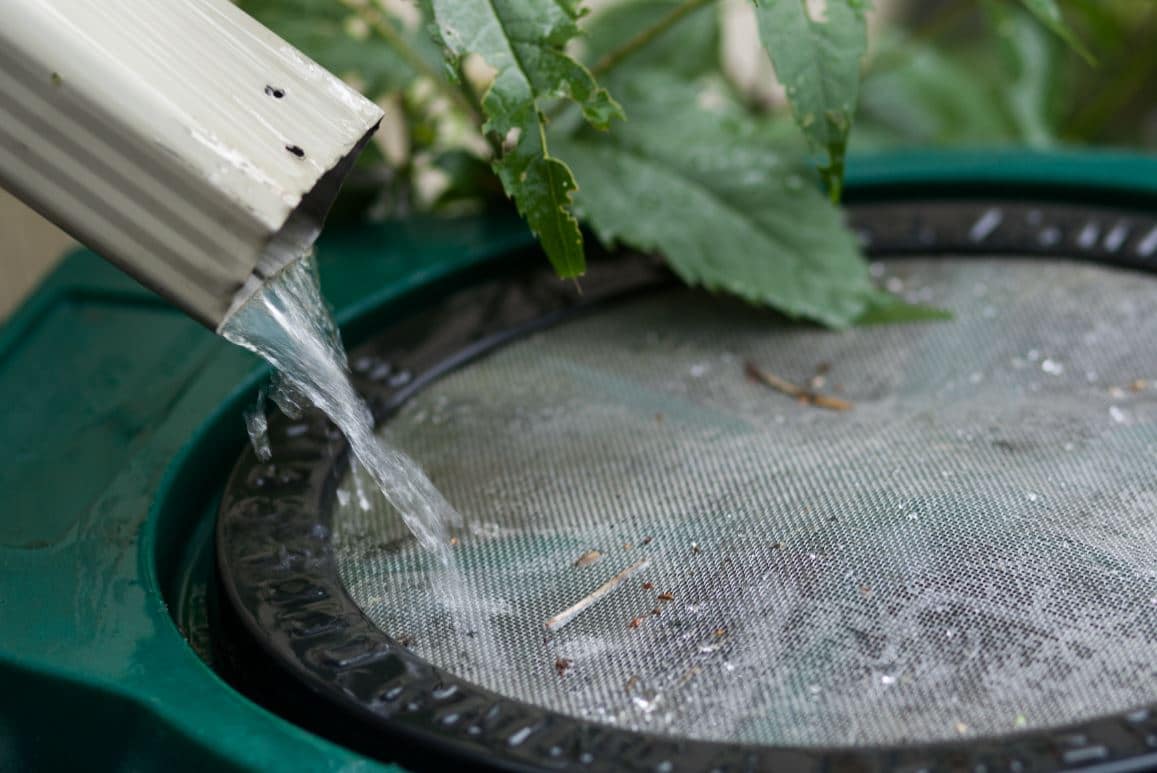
[704,188]
[523,43]
[816,47]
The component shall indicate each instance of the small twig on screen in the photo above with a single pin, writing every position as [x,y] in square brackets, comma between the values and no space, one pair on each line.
[564,617]
[791,390]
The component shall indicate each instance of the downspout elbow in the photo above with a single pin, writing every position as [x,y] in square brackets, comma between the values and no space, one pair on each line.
[198,174]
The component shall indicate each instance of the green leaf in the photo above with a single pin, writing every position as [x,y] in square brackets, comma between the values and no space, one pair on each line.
[1049,14]
[707,190]
[916,94]
[885,309]
[542,187]
[690,48]
[325,31]
[818,61]
[1028,73]
[523,41]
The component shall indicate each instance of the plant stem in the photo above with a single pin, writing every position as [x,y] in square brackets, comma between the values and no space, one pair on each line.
[386,32]
[1087,123]
[645,37]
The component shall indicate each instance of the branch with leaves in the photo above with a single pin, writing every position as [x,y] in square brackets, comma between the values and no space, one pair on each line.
[678,162]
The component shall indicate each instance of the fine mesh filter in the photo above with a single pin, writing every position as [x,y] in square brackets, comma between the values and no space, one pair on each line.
[971,550]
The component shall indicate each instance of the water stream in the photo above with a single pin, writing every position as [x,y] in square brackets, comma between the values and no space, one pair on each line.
[288,323]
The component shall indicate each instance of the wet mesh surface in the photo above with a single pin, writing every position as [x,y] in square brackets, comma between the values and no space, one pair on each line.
[971,550]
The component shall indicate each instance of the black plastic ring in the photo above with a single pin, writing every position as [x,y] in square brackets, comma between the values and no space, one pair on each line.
[301,646]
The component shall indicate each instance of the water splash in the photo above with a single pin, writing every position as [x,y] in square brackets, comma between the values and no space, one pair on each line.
[288,324]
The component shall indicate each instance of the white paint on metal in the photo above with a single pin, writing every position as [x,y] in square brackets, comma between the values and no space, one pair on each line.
[144,128]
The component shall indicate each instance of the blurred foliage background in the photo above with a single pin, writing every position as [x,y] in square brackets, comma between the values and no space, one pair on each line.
[939,73]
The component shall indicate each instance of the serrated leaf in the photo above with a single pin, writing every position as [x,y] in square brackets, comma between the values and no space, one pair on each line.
[818,61]
[523,42]
[706,190]
[1049,14]
[545,203]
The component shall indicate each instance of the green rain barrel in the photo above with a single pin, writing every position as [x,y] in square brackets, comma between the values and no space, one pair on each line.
[956,570]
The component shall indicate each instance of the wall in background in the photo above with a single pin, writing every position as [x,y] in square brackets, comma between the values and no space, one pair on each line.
[29,247]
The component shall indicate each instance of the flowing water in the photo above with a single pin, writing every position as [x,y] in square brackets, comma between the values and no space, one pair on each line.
[288,324]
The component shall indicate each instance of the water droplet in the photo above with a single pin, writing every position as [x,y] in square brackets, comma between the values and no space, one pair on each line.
[1148,244]
[643,704]
[1052,367]
[1116,237]
[1088,236]
[380,371]
[985,225]
[1049,236]
[521,735]
[887,679]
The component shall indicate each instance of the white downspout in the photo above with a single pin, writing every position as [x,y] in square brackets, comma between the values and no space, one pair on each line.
[180,139]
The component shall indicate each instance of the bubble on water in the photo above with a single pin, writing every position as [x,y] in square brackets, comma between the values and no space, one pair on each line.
[258,427]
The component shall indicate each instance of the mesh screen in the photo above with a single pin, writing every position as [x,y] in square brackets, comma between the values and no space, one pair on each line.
[970,550]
